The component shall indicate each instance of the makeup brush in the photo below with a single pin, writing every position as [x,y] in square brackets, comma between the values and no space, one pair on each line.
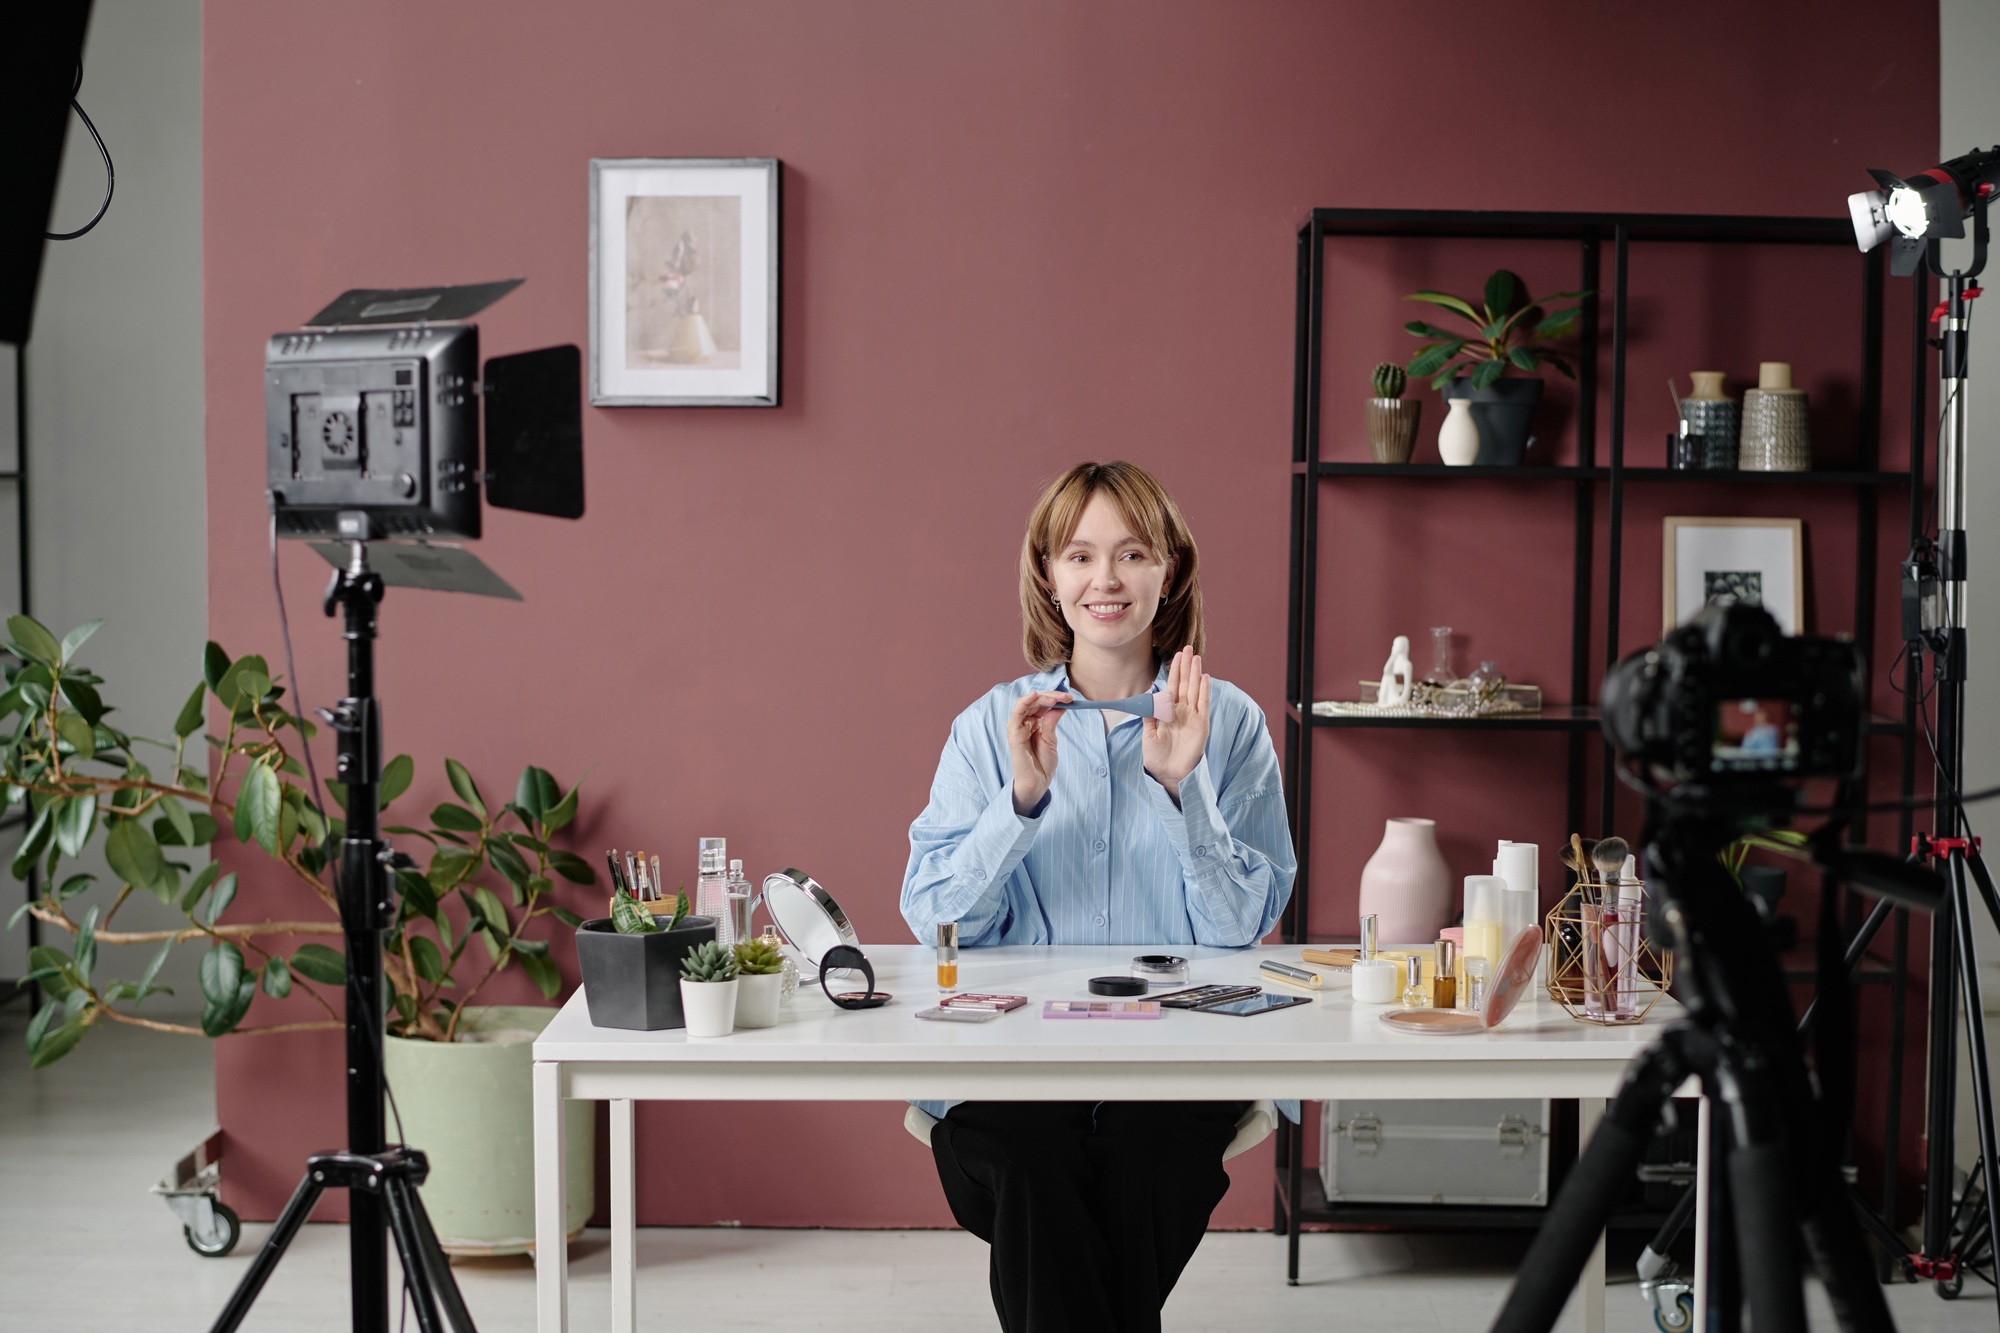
[1609,859]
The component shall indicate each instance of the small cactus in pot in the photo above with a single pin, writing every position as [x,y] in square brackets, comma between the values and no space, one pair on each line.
[1392,421]
[708,990]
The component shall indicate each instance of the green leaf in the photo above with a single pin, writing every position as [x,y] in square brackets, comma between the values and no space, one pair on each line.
[452,816]
[154,965]
[493,917]
[1560,362]
[564,915]
[76,818]
[32,640]
[219,1016]
[84,699]
[316,962]
[396,775]
[134,855]
[181,820]
[214,664]
[544,973]
[1501,289]
[84,957]
[450,868]
[509,863]
[1558,324]
[416,891]
[1427,330]
[76,733]
[201,884]
[426,958]
[276,977]
[528,794]
[1434,358]
[46,958]
[462,783]
[32,846]
[38,1026]
[193,713]
[260,797]
[79,636]
[1524,358]
[225,891]
[572,867]
[57,1044]
[244,672]
[1487,372]
[338,790]
[1451,303]
[560,814]
[221,973]
[628,918]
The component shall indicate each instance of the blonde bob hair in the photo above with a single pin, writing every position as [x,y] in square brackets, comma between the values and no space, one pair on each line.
[1154,519]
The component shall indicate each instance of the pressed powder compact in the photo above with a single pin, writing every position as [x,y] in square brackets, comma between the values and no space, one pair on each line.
[1161,969]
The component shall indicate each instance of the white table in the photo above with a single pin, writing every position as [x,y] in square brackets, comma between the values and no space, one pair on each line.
[1331,1048]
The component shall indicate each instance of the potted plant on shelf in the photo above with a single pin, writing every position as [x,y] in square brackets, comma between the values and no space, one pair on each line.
[1392,421]
[631,961]
[760,983]
[489,876]
[708,990]
[1511,331]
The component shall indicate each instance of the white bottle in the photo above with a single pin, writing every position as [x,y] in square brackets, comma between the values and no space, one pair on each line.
[711,890]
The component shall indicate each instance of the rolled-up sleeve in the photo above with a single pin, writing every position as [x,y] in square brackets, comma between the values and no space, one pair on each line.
[963,847]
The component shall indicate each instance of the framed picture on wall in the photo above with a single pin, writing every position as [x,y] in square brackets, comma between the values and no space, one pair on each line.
[1750,559]
[684,281]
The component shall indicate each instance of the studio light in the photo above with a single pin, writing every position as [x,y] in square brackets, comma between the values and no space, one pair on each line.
[1927,206]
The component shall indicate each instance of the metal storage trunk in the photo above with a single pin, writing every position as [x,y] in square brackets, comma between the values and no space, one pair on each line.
[1493,1151]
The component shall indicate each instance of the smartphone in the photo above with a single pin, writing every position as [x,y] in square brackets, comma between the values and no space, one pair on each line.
[1200,997]
[960,1015]
[1254,1004]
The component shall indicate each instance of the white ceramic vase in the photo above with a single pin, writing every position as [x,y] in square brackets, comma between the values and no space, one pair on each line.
[757,996]
[1406,884]
[710,1007]
[1458,437]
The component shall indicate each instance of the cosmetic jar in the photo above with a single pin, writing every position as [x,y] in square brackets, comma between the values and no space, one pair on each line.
[1161,969]
[1117,986]
[1374,981]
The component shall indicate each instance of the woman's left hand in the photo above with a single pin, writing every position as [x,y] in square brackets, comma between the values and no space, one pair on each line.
[1173,748]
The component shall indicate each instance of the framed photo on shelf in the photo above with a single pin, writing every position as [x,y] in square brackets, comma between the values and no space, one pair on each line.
[1750,559]
[684,281]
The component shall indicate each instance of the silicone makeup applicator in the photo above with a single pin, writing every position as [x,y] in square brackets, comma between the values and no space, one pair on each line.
[1156,706]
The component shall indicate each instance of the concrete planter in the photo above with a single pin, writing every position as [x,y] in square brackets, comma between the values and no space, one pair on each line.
[633,981]
[469,1105]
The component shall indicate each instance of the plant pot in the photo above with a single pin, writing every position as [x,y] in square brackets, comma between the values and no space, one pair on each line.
[1392,428]
[1504,412]
[633,981]
[757,996]
[710,1007]
[469,1106]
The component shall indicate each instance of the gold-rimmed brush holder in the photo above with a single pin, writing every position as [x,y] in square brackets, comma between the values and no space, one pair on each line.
[1600,968]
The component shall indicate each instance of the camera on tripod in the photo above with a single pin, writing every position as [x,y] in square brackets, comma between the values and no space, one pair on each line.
[1728,701]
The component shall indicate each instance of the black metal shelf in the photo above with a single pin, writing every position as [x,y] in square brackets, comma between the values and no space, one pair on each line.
[1599,482]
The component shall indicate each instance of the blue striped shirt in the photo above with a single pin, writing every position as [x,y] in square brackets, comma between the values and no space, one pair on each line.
[1106,858]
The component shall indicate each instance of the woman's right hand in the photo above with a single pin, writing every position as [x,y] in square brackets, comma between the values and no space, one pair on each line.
[1031,744]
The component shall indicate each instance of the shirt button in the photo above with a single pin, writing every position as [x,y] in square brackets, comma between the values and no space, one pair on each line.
[1201,851]
[1100,770]
[1099,845]
[979,875]
[1097,921]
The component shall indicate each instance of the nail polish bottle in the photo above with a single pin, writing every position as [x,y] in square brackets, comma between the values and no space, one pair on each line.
[947,956]
[1415,994]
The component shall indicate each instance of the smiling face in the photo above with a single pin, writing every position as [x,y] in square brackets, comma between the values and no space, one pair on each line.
[1109,583]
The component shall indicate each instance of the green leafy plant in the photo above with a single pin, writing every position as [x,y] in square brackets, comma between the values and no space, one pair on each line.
[759,957]
[1786,842]
[1511,330]
[708,961]
[630,917]
[1388,380]
[489,873]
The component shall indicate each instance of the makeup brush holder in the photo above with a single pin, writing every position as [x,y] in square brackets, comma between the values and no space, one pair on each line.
[1600,968]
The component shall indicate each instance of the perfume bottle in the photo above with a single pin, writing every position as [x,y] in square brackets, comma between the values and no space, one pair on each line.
[1415,994]
[1444,976]
[1476,972]
[789,971]
[947,956]
[742,902]
[711,890]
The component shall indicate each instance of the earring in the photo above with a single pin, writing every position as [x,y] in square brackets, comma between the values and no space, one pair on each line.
[1055,601]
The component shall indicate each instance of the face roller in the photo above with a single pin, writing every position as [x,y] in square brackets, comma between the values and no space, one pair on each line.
[1156,706]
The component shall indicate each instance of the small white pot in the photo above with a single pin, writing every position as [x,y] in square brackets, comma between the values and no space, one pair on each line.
[710,1007]
[1458,437]
[757,995]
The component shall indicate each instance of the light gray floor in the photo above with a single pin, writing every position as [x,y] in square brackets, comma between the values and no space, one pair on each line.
[84,1247]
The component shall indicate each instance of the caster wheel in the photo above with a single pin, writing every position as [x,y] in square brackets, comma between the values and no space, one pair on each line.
[1681,1320]
[221,1240]
[1907,1270]
[1949,1290]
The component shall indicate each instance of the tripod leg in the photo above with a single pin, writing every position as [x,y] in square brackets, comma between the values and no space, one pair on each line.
[416,1274]
[1943,1080]
[1841,1256]
[427,1258]
[1975,1039]
[1766,1227]
[297,1209]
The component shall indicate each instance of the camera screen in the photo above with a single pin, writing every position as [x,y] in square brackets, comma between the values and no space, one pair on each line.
[1757,735]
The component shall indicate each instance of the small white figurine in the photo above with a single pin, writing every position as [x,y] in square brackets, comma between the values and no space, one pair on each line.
[1397,675]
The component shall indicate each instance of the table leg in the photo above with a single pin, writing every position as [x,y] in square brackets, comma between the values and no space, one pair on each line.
[1703,1145]
[624,1211]
[1590,1289]
[551,1246]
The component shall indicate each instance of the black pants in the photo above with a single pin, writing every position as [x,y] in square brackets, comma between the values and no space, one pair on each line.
[1092,1210]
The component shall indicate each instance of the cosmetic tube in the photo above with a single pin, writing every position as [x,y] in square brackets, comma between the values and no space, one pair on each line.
[947,955]
[1291,976]
[1374,981]
[1444,979]
[1623,936]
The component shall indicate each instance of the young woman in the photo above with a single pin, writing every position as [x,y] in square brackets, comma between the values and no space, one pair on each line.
[1047,826]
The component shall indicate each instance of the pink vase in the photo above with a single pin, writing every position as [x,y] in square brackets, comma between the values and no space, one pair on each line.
[1407,884]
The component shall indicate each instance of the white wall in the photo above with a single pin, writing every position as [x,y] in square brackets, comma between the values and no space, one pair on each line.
[115,399]
[1969,106]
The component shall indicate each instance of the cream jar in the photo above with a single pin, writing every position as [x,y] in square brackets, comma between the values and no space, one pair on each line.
[1375,980]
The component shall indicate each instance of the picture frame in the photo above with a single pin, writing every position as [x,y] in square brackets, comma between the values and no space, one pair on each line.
[1760,558]
[684,281]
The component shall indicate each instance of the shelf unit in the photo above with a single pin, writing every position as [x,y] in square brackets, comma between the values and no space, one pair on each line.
[17,476]
[1600,475]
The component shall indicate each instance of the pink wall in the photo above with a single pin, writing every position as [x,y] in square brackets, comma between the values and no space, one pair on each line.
[1014,236]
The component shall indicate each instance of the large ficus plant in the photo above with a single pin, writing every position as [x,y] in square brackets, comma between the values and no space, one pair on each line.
[1510,330]
[76,775]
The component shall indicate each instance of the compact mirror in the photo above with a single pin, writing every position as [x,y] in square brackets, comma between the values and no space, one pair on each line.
[806,914]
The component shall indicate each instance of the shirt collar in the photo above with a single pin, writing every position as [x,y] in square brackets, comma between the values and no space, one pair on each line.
[1059,677]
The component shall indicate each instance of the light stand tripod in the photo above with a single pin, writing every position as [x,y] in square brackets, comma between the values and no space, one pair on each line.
[380,1180]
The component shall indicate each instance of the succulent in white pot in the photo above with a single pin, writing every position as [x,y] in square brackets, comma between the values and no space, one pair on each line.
[760,983]
[708,991]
